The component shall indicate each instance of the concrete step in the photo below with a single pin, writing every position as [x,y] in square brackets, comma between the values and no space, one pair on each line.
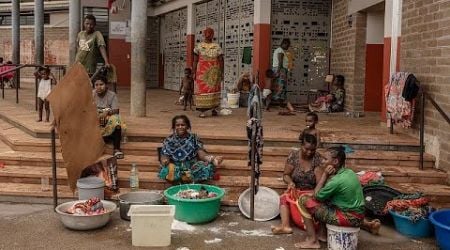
[25,192]
[358,158]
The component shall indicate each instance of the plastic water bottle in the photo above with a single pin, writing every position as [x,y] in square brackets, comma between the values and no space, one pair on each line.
[134,178]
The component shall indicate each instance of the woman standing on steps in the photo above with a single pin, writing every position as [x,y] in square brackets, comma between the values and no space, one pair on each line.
[208,73]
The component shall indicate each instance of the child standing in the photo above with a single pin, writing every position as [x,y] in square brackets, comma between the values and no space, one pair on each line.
[187,88]
[267,91]
[311,120]
[46,80]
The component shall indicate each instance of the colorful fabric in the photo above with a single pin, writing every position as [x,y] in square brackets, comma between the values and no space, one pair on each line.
[398,109]
[337,103]
[304,180]
[111,124]
[313,209]
[88,49]
[280,85]
[208,76]
[184,166]
[292,194]
[344,191]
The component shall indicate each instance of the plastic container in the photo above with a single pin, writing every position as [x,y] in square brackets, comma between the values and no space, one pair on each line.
[441,221]
[138,198]
[267,204]
[233,100]
[89,187]
[151,225]
[420,229]
[296,217]
[342,238]
[134,178]
[195,211]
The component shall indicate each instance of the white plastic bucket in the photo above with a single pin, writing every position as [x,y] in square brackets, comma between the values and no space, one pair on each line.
[233,100]
[91,186]
[342,238]
[151,225]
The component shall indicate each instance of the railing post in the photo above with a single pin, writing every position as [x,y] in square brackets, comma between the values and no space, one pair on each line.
[422,127]
[54,176]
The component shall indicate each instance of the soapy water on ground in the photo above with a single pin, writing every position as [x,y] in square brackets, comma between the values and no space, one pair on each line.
[252,233]
[215,240]
[182,226]
[233,224]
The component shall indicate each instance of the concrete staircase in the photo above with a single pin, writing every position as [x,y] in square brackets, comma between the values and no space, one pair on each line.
[29,159]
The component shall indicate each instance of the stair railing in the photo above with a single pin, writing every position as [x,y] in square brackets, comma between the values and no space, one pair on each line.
[423,97]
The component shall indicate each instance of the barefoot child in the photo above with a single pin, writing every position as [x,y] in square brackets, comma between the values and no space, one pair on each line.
[311,121]
[187,88]
[267,91]
[46,80]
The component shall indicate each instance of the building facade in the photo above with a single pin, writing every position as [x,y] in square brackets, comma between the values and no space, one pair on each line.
[364,40]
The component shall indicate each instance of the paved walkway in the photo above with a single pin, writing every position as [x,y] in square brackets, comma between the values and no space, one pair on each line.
[24,226]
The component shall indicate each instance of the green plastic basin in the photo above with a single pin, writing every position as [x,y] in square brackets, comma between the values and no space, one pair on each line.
[195,211]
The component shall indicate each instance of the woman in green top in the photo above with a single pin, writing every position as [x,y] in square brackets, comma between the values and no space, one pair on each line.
[90,43]
[338,200]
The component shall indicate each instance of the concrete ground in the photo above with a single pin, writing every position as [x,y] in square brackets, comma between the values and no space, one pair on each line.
[36,226]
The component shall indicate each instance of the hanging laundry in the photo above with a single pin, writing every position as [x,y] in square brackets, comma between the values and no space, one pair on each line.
[399,110]
[255,131]
[411,88]
[247,55]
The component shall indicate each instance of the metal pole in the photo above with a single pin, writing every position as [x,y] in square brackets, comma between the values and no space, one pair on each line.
[54,176]
[74,28]
[38,40]
[15,21]
[252,164]
[422,127]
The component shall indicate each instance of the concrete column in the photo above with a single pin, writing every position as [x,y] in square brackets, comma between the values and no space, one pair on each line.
[138,57]
[190,35]
[262,37]
[39,31]
[392,34]
[74,27]
[16,36]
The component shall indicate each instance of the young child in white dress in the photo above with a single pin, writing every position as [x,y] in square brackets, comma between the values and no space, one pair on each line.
[46,80]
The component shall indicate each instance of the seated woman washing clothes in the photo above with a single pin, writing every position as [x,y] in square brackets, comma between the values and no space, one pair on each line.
[107,105]
[337,200]
[182,157]
[333,102]
[301,173]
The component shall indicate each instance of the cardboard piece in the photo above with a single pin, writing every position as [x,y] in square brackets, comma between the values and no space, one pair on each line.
[76,122]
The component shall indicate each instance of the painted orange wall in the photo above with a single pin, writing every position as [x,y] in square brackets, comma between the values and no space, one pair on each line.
[374,77]
[190,43]
[261,49]
[120,56]
[386,73]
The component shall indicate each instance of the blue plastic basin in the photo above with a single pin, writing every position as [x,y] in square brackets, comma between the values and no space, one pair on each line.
[441,222]
[419,229]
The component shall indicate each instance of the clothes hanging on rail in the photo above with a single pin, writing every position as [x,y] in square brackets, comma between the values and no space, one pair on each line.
[400,110]
[255,132]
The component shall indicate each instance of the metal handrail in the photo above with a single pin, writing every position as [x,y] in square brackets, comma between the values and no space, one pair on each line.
[425,96]
[20,66]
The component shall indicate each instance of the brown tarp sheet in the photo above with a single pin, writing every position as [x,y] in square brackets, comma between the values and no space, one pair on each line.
[76,122]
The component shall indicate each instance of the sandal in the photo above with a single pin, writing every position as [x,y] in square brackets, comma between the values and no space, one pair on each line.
[202,115]
[118,154]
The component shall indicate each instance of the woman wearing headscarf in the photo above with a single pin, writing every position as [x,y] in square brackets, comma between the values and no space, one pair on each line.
[208,73]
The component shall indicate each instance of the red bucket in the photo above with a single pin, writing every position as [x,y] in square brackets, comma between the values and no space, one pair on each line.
[295,212]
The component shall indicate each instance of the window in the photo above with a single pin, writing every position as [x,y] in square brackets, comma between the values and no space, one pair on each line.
[25,19]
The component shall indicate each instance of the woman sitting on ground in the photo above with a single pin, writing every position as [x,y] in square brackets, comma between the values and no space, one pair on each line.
[107,105]
[333,102]
[182,157]
[301,173]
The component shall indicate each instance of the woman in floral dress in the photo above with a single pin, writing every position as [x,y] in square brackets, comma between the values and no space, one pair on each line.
[208,73]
